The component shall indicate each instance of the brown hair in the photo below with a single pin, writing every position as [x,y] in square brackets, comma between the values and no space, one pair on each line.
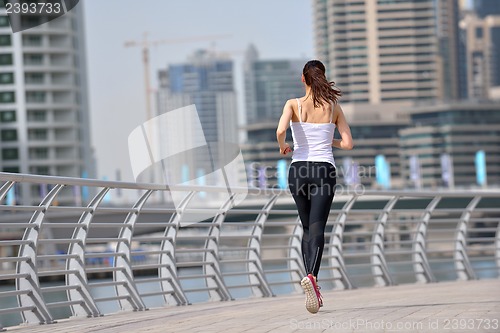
[322,90]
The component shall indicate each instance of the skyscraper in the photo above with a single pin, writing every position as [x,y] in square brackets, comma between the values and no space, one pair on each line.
[269,84]
[44,115]
[482,36]
[205,80]
[389,51]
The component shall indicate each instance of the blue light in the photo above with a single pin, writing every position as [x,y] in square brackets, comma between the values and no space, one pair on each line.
[282,174]
[481,168]
[383,171]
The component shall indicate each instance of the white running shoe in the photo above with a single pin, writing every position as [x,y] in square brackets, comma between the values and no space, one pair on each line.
[312,300]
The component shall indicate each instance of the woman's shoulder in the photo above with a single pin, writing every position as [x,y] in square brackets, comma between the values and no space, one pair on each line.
[337,109]
[293,102]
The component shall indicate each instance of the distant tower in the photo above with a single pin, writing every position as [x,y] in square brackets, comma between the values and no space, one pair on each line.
[44,111]
[389,51]
[205,80]
[268,85]
[482,54]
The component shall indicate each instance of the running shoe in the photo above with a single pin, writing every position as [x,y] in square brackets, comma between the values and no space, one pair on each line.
[316,288]
[312,299]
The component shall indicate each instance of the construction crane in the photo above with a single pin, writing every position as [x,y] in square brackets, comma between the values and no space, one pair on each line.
[145,43]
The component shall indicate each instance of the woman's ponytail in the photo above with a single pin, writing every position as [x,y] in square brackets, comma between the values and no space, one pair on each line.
[322,90]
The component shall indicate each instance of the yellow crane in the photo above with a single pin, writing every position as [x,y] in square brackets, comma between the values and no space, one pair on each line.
[145,43]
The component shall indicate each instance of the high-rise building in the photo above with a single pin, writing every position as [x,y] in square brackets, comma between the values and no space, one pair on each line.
[482,45]
[484,8]
[269,84]
[387,51]
[44,113]
[205,80]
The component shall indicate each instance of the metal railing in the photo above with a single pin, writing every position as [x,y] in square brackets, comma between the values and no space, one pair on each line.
[94,258]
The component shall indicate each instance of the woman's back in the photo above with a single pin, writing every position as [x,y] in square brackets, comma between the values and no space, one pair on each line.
[312,132]
[322,114]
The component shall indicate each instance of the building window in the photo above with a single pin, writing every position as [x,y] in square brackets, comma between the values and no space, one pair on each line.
[32,40]
[33,59]
[7,116]
[37,115]
[30,21]
[11,169]
[4,21]
[6,78]
[9,135]
[5,59]
[7,97]
[37,134]
[39,153]
[35,96]
[5,40]
[9,154]
[40,170]
[34,78]
[479,32]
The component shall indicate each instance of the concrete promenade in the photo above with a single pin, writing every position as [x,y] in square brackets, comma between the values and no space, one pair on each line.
[472,306]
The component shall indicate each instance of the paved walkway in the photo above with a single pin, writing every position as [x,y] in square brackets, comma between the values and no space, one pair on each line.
[472,306]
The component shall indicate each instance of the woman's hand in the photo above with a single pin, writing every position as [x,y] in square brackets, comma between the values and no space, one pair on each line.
[285,149]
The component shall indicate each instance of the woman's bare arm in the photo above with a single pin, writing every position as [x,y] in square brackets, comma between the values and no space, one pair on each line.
[282,127]
[345,131]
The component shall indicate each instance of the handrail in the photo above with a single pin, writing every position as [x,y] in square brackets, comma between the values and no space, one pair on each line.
[143,256]
[72,181]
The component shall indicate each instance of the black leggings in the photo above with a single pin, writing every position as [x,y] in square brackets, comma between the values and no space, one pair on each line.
[312,185]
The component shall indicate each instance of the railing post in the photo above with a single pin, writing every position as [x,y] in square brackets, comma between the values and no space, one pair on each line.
[254,255]
[167,272]
[423,272]
[213,277]
[462,264]
[341,279]
[497,247]
[379,264]
[77,263]
[126,275]
[296,265]
[40,312]
[5,188]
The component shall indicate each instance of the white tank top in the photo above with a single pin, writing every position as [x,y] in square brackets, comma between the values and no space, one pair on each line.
[312,141]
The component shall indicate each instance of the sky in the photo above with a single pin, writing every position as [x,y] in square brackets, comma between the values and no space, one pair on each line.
[280,29]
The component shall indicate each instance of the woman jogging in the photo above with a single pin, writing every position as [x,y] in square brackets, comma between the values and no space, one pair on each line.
[312,173]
